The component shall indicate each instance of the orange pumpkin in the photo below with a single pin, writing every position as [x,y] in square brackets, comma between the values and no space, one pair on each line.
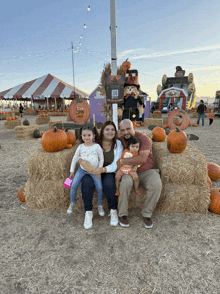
[38,115]
[21,196]
[165,126]
[176,141]
[126,65]
[213,171]
[159,134]
[215,200]
[71,138]
[189,125]
[54,140]
[68,146]
[194,125]
[178,123]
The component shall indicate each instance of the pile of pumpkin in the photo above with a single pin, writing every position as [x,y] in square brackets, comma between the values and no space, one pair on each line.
[156,111]
[43,115]
[29,110]
[7,112]
[12,118]
[176,143]
[52,141]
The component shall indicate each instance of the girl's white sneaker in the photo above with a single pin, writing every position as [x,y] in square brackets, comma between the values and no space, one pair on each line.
[88,219]
[101,210]
[114,217]
[71,207]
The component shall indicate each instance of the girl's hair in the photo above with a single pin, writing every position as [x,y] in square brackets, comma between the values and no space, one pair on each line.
[133,140]
[89,128]
[108,123]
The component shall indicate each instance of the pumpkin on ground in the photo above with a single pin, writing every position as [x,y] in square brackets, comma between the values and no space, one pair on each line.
[54,140]
[21,196]
[189,125]
[159,134]
[215,200]
[26,122]
[165,126]
[178,123]
[37,134]
[194,125]
[176,141]
[213,171]
[71,138]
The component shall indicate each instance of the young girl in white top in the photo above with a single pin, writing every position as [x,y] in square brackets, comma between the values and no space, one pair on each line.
[92,153]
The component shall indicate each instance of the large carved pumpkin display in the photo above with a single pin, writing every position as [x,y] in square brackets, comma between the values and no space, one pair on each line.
[176,141]
[185,122]
[54,140]
[213,171]
[215,200]
[79,111]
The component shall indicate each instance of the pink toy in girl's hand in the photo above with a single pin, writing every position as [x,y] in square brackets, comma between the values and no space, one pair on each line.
[67,183]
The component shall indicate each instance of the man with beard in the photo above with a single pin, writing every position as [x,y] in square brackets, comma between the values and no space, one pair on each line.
[148,177]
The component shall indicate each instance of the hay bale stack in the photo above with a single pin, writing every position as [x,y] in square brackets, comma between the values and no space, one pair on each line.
[157,115]
[53,122]
[25,132]
[151,115]
[12,124]
[47,173]
[153,122]
[68,118]
[42,120]
[184,178]
[175,119]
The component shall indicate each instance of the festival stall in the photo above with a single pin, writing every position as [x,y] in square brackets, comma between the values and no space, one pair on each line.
[48,92]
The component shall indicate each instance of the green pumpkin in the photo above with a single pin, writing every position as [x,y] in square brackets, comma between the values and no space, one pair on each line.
[26,122]
[37,134]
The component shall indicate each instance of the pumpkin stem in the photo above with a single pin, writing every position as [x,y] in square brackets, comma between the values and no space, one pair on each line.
[177,130]
[66,130]
[55,129]
[126,60]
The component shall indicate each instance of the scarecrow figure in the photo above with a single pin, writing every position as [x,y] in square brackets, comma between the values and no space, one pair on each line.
[131,99]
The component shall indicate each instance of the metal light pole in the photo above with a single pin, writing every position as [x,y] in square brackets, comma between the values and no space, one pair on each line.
[73,70]
[113,52]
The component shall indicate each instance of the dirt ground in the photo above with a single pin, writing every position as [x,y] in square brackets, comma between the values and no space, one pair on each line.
[51,252]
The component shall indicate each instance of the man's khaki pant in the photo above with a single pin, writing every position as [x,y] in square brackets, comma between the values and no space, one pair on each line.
[149,179]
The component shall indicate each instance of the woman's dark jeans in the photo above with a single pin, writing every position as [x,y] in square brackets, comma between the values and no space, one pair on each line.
[108,185]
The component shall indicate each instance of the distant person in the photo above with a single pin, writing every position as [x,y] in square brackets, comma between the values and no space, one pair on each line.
[39,107]
[21,108]
[171,106]
[211,116]
[201,112]
[153,108]
[179,106]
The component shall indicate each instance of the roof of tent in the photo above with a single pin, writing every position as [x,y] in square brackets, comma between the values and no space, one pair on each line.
[45,86]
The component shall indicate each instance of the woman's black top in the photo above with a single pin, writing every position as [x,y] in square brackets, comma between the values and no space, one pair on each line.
[108,157]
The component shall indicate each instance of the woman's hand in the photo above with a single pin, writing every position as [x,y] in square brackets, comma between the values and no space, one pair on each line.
[97,171]
[71,175]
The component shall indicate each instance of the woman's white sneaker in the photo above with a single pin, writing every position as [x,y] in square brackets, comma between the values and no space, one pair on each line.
[101,210]
[114,217]
[88,219]
[71,207]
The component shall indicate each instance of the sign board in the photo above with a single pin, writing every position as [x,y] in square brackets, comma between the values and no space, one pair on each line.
[39,97]
[172,93]
[114,89]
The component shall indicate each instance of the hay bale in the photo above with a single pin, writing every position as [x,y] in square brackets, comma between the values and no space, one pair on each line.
[25,132]
[53,122]
[68,118]
[153,122]
[175,120]
[47,173]
[42,120]
[157,115]
[12,124]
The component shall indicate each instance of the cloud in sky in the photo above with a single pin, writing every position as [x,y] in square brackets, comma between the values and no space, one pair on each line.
[160,54]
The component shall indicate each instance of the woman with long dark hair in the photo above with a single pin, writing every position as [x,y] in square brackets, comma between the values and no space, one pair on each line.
[112,150]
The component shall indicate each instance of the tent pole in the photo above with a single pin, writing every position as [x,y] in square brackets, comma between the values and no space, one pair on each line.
[47,104]
[55,103]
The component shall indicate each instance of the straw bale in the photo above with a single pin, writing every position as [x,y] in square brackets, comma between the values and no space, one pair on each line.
[47,173]
[157,115]
[180,198]
[42,120]
[175,119]
[53,122]
[68,118]
[151,115]
[25,132]
[153,122]
[188,167]
[12,124]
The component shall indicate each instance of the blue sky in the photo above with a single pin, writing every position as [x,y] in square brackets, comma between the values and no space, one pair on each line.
[156,36]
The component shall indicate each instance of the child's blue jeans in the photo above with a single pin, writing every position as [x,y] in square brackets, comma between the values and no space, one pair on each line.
[77,180]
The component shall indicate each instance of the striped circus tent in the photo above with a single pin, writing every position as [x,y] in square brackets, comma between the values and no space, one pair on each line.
[46,86]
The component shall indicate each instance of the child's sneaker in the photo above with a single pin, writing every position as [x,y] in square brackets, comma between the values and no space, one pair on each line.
[101,210]
[114,217]
[88,219]
[71,207]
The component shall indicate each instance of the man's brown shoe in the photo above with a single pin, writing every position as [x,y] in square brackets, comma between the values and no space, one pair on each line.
[148,222]
[123,221]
